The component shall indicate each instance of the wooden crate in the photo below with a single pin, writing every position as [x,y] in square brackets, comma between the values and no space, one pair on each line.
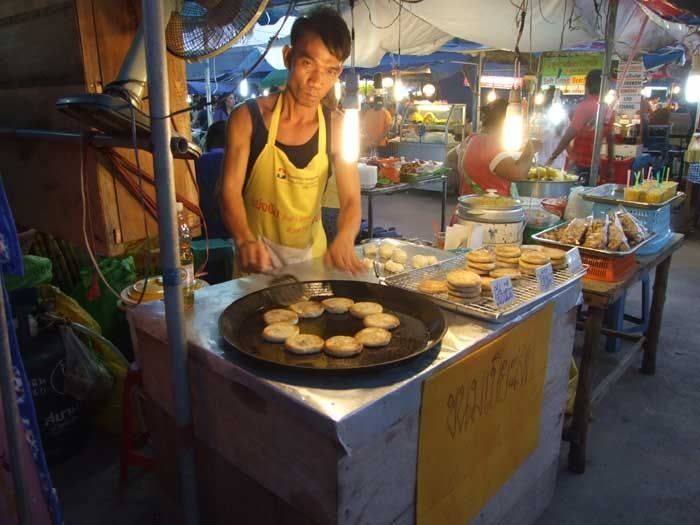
[55,48]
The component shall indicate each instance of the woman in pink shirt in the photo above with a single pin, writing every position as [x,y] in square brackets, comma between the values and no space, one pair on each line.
[482,162]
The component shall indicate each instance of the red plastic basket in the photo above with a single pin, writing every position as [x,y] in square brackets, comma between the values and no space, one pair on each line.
[608,269]
[620,169]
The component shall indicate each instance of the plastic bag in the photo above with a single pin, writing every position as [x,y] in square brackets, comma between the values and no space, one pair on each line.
[617,241]
[597,234]
[86,378]
[577,207]
[575,232]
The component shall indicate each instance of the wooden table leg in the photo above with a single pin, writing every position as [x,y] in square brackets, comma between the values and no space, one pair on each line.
[582,407]
[655,317]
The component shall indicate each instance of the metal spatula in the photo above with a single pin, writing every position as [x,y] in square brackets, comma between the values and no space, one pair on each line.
[285,289]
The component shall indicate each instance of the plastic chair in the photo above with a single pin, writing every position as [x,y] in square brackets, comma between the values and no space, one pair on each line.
[131,439]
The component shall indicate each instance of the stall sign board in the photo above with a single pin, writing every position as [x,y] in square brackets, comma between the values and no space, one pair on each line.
[573,259]
[545,277]
[480,420]
[502,291]
[568,71]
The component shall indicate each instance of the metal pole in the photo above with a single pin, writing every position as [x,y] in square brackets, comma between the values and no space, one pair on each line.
[154,23]
[13,428]
[604,77]
[475,124]
[207,90]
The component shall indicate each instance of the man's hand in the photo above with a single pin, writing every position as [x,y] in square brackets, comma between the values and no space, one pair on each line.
[528,151]
[341,254]
[253,256]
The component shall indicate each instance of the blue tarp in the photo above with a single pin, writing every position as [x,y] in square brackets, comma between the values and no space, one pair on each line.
[665,55]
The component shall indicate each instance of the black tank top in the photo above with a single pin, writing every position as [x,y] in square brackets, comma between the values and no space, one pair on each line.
[299,155]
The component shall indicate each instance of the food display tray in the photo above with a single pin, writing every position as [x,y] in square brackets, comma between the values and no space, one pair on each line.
[614,194]
[526,290]
[411,249]
[607,253]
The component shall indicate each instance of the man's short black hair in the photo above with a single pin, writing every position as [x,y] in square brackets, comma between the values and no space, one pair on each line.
[216,136]
[593,81]
[329,26]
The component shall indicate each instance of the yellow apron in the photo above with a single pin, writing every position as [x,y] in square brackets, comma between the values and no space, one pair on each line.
[283,202]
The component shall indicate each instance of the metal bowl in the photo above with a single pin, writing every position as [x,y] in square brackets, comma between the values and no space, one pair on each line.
[545,188]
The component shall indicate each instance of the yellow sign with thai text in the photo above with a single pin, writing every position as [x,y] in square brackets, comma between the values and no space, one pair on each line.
[480,419]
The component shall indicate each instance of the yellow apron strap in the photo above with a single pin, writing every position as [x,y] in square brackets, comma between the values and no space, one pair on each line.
[274,122]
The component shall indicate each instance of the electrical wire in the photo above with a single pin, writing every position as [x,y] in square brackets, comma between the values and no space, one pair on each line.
[369,13]
[147,246]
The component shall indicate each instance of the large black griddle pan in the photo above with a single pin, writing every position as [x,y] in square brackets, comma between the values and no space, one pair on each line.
[422,325]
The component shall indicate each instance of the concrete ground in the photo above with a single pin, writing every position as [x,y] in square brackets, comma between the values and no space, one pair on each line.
[644,442]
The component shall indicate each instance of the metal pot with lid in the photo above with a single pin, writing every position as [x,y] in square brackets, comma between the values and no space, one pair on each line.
[501,220]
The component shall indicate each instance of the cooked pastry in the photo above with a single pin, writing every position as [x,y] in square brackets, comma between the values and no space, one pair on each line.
[368,263]
[597,234]
[534,258]
[513,273]
[386,250]
[337,305]
[307,309]
[399,256]
[342,346]
[463,279]
[418,261]
[386,321]
[363,309]
[304,344]
[373,337]
[480,256]
[507,251]
[280,315]
[432,286]
[574,232]
[393,267]
[279,332]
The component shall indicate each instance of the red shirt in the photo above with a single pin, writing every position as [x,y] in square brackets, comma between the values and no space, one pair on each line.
[583,123]
[482,153]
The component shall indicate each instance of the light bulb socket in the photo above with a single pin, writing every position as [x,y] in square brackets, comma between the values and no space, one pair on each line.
[351,100]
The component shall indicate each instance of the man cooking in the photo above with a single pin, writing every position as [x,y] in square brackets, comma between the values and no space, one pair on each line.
[278,153]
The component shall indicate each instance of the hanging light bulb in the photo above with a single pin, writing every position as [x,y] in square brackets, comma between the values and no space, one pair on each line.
[266,92]
[676,89]
[539,98]
[400,91]
[243,88]
[513,127]
[338,90]
[429,90]
[692,85]
[491,96]
[387,82]
[351,119]
[556,113]
[610,96]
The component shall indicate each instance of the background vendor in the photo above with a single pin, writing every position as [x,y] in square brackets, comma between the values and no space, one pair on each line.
[278,153]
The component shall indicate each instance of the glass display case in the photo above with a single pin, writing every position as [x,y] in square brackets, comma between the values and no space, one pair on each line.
[428,123]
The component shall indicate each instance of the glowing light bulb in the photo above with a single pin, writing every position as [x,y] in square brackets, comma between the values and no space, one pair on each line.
[400,91]
[646,92]
[676,89]
[692,85]
[429,90]
[556,113]
[513,127]
[266,92]
[387,82]
[539,98]
[243,87]
[610,97]
[351,135]
[491,96]
[189,99]
[338,90]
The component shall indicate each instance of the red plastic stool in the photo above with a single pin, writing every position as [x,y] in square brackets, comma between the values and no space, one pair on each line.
[131,442]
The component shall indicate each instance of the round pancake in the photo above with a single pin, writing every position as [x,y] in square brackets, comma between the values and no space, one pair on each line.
[280,315]
[337,305]
[534,257]
[464,300]
[302,344]
[279,332]
[510,260]
[386,321]
[363,309]
[513,273]
[394,267]
[507,251]
[463,278]
[373,337]
[370,249]
[477,271]
[475,292]
[399,256]
[486,283]
[480,256]
[530,266]
[342,346]
[307,309]
[560,266]
[555,254]
[432,286]
[502,264]
[527,271]
[480,266]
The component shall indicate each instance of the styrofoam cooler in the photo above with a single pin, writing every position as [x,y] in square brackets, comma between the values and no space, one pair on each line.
[657,221]
[368,176]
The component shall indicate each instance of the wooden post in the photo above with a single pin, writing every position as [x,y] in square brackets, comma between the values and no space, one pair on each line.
[582,407]
[657,310]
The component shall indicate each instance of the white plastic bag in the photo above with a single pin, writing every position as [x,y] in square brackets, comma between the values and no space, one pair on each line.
[86,378]
[577,207]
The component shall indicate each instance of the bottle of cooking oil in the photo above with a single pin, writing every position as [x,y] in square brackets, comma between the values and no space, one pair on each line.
[186,257]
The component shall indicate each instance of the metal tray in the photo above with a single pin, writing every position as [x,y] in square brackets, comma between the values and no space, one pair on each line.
[411,249]
[422,326]
[614,194]
[608,253]
[526,289]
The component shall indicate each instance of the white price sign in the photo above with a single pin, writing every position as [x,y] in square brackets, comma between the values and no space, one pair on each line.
[545,277]
[573,258]
[502,291]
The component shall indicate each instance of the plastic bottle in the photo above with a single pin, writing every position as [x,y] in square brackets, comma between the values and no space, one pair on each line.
[186,257]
